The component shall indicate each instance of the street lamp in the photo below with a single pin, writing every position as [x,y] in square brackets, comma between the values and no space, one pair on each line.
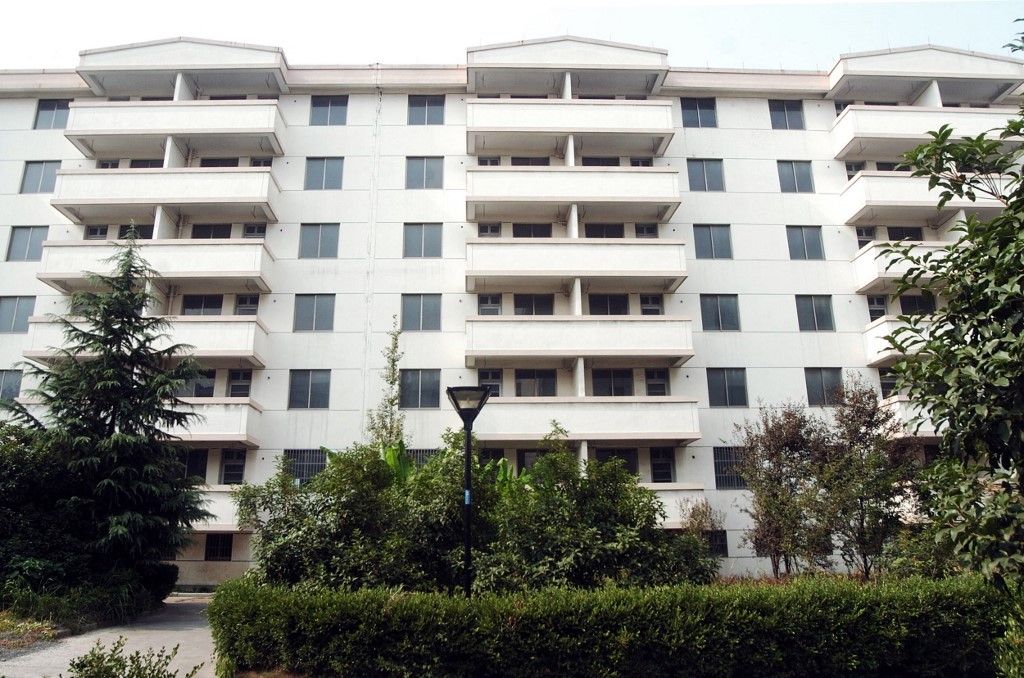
[468,401]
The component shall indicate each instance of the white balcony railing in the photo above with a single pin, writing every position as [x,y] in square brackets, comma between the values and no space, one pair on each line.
[875,271]
[223,421]
[907,413]
[899,198]
[880,352]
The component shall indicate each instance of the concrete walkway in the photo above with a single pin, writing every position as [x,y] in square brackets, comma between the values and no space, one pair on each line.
[182,621]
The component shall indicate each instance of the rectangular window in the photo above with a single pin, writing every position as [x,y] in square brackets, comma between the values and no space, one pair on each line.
[795,176]
[96,232]
[805,242]
[663,465]
[137,231]
[318,241]
[239,383]
[531,230]
[10,384]
[641,162]
[718,543]
[628,456]
[324,174]
[865,236]
[656,381]
[727,386]
[52,113]
[247,304]
[261,162]
[15,312]
[426,109]
[705,175]
[421,312]
[727,474]
[328,110]
[652,304]
[489,454]
[424,172]
[529,161]
[535,383]
[108,164]
[218,547]
[146,163]
[309,389]
[421,241]
[891,167]
[699,112]
[218,162]
[26,243]
[603,161]
[419,389]
[604,231]
[720,312]
[533,304]
[488,304]
[40,176]
[712,241]
[490,230]
[824,385]
[608,304]
[917,304]
[195,464]
[878,306]
[489,160]
[211,231]
[232,467]
[303,465]
[254,231]
[852,168]
[525,459]
[814,312]
[313,313]
[887,381]
[202,304]
[421,455]
[613,382]
[646,230]
[786,114]
[201,386]
[896,233]
[842,105]
[491,378]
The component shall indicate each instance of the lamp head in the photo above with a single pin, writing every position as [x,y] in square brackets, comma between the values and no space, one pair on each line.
[468,400]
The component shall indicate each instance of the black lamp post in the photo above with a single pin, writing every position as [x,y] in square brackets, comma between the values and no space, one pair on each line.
[468,401]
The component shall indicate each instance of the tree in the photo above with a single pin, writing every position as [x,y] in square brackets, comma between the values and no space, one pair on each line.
[385,424]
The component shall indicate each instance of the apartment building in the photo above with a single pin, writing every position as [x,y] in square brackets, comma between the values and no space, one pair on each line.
[643,253]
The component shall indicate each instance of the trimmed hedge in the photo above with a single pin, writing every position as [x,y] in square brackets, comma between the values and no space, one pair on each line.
[810,627]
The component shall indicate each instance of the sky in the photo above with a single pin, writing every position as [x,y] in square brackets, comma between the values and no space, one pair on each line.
[798,34]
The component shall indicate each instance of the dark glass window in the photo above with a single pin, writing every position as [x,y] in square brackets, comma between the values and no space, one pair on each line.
[699,112]
[720,312]
[805,242]
[905,233]
[656,380]
[309,389]
[613,382]
[787,114]
[313,313]
[814,312]
[531,230]
[727,475]
[318,241]
[202,304]
[40,176]
[303,465]
[146,163]
[488,161]
[488,304]
[210,231]
[663,465]
[491,378]
[718,543]
[533,304]
[324,174]
[424,172]
[705,175]
[232,466]
[421,312]
[247,304]
[917,304]
[865,235]
[254,231]
[218,162]
[824,385]
[15,312]
[419,389]
[195,464]
[421,240]
[852,168]
[712,241]
[489,230]
[878,306]
[199,387]
[887,381]
[641,162]
[605,231]
[646,230]
[426,109]
[531,383]
[218,547]
[591,161]
[529,161]
[727,386]
[628,456]
[52,113]
[138,231]
[652,304]
[10,384]
[328,110]
[525,459]
[96,232]
[795,176]
[609,304]
[26,243]
[239,383]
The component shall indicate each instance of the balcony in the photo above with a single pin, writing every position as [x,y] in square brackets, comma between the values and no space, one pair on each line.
[878,351]
[870,132]
[627,419]
[606,263]
[906,412]
[215,194]
[545,193]
[139,129]
[899,198]
[645,339]
[224,421]
[220,265]
[219,341]
[540,126]
[872,271]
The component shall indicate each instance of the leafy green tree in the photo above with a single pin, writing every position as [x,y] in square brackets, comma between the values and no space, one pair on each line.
[385,424]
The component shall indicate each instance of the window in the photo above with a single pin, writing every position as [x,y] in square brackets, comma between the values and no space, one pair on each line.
[705,175]
[878,307]
[852,168]
[917,304]
[641,162]
[718,543]
[261,162]
[239,383]
[699,112]
[313,313]
[324,174]
[823,385]
[887,381]
[488,160]
[489,454]
[652,304]
[491,378]
[488,304]
[488,230]
[842,105]
[533,304]
[525,459]
[95,232]
[915,233]
[423,172]
[865,235]
[218,162]
[419,389]
[211,231]
[40,176]
[201,386]
[805,242]
[891,167]
[531,230]
[712,241]
[604,231]
[138,231]
[26,243]
[646,230]
[421,240]
[309,389]
[609,304]
[727,386]
[421,312]
[656,381]
[304,464]
[318,241]
[202,304]
[533,383]
[426,109]
[529,161]
[786,114]
[218,547]
[146,163]
[52,113]
[15,312]
[727,474]
[628,456]
[720,312]
[604,161]
[195,464]
[328,110]
[232,466]
[613,382]
[254,231]
[795,176]
[663,465]
[10,384]
[814,312]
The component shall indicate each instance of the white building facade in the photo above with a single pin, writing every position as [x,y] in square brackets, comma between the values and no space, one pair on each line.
[641,252]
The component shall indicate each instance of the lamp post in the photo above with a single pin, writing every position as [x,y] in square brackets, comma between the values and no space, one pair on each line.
[468,401]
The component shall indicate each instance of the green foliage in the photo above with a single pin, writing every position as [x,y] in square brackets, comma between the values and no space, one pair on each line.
[812,627]
[116,598]
[385,424]
[100,662]
[919,551]
[1010,648]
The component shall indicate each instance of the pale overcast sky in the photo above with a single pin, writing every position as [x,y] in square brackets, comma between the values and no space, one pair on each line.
[752,34]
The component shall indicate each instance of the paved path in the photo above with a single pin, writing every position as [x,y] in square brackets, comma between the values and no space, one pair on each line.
[182,621]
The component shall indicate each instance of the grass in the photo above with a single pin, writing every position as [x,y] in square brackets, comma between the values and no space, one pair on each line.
[18,634]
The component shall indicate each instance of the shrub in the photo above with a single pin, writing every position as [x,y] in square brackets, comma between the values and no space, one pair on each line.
[118,599]
[811,627]
[158,578]
[113,663]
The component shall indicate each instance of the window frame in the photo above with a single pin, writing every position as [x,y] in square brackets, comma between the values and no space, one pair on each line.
[310,461]
[22,308]
[57,110]
[725,459]
[424,304]
[795,176]
[232,460]
[792,112]
[430,104]
[620,382]
[815,314]
[657,376]
[418,180]
[733,378]
[219,547]
[410,240]
[294,389]
[692,163]
[332,102]
[312,183]
[701,244]
[46,182]
[815,378]
[10,384]
[320,308]
[538,379]
[801,251]
[306,228]
[719,324]
[33,244]
[405,378]
[699,107]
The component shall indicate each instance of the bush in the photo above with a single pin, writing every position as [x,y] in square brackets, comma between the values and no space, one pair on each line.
[113,663]
[159,579]
[811,627]
[119,599]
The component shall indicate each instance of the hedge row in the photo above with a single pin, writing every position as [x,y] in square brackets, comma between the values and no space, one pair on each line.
[815,627]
